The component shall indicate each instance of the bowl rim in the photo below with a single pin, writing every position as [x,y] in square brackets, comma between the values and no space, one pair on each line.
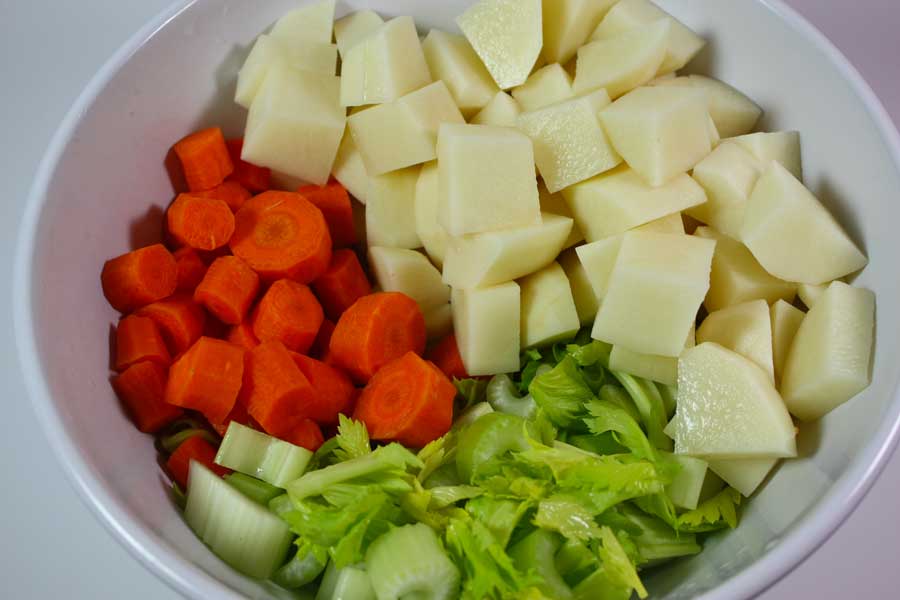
[192,581]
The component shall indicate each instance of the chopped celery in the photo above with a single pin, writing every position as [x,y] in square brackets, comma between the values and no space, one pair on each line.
[649,403]
[616,395]
[178,496]
[575,561]
[257,490]
[409,562]
[669,393]
[504,397]
[490,436]
[169,443]
[445,475]
[259,455]
[475,412]
[537,553]
[687,484]
[603,443]
[307,563]
[500,516]
[600,586]
[241,532]
[349,583]
[655,540]
[281,505]
[442,496]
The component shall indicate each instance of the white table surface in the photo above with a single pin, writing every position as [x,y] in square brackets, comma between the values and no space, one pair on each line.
[52,546]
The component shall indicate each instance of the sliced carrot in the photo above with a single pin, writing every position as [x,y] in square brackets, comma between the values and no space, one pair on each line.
[238,414]
[139,277]
[377,329]
[139,339]
[256,179]
[193,448]
[231,193]
[242,335]
[204,159]
[180,320]
[141,387]
[306,434]
[201,223]
[342,284]
[334,202]
[228,289]
[276,392]
[282,235]
[207,378]
[319,349]
[290,313]
[409,401]
[191,269]
[445,355]
[334,390]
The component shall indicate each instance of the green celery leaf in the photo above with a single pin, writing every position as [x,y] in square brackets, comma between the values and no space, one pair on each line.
[352,439]
[443,496]
[562,392]
[436,454]
[618,565]
[650,406]
[655,540]
[567,515]
[469,392]
[718,512]
[501,516]
[609,417]
[592,353]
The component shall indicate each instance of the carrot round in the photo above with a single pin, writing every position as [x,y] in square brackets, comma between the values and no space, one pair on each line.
[201,223]
[334,202]
[193,448]
[288,312]
[139,339]
[342,284]
[238,414]
[377,329]
[191,269]
[409,401]
[242,335]
[141,387]
[276,392]
[228,289]
[446,357]
[254,178]
[139,277]
[204,159]
[230,192]
[282,235]
[319,349]
[333,389]
[207,378]
[306,434]
[180,320]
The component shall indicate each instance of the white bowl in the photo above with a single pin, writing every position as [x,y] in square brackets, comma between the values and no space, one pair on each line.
[102,187]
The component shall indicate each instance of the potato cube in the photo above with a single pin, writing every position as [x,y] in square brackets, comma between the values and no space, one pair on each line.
[354,28]
[350,170]
[548,309]
[439,322]
[660,131]
[295,124]
[501,111]
[434,238]
[497,256]
[598,259]
[744,475]
[311,23]
[792,235]
[556,204]
[743,328]
[828,362]
[486,322]
[586,303]
[727,176]
[671,223]
[732,112]
[656,287]
[782,146]
[662,369]
[507,35]
[786,320]
[391,209]
[487,179]
[569,144]
[452,59]
[548,85]
[411,273]
[810,293]
[567,25]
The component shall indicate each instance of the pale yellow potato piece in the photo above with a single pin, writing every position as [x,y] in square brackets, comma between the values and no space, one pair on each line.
[350,170]
[507,35]
[623,62]
[295,124]
[731,110]
[311,23]
[744,475]
[411,273]
[567,25]
[727,407]
[487,179]
[391,209]
[433,237]
[586,303]
[683,44]
[782,146]
[486,322]
[497,256]
[737,277]
[569,144]
[671,223]
[618,200]
[501,111]
[548,308]
[660,131]
[662,369]
[452,59]
[786,320]
[556,204]
[792,235]
[439,322]
[728,176]
[810,293]
[743,328]
[385,65]
[355,27]
[548,85]
[714,137]
[828,362]
[656,287]
[598,260]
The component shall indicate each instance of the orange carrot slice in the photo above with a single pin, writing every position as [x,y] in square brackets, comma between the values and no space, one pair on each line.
[191,269]
[231,193]
[333,389]
[276,392]
[201,223]
[180,320]
[141,387]
[334,202]
[228,289]
[319,349]
[254,178]
[139,339]
[139,277]
[445,355]
[342,284]
[242,335]
[306,434]
[207,378]
[204,159]
[193,448]
[290,313]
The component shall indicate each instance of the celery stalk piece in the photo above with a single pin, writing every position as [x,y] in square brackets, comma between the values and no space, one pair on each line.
[262,456]
[536,552]
[238,530]
[281,505]
[475,412]
[409,562]
[257,490]
[503,397]
[574,561]
[349,583]
[303,568]
[650,405]
[491,435]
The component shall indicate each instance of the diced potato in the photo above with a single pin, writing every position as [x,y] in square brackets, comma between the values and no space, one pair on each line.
[295,124]
[385,65]
[663,369]
[782,146]
[548,309]
[671,223]
[618,200]
[729,408]
[683,44]
[548,85]
[828,362]
[487,179]
[660,131]
[497,256]
[354,28]
[501,111]
[792,235]
[350,170]
[745,474]
[786,320]
[507,36]
[486,323]
[688,482]
[391,209]
[433,236]
[743,328]
[598,259]
[727,176]
[567,25]
[411,273]
[439,322]
[403,133]
[622,62]
[656,287]
[737,277]
[452,59]
[311,23]
[556,204]
[732,112]
[810,293]
[586,303]
[714,137]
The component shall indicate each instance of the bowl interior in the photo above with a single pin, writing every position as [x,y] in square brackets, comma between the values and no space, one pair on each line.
[107,192]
